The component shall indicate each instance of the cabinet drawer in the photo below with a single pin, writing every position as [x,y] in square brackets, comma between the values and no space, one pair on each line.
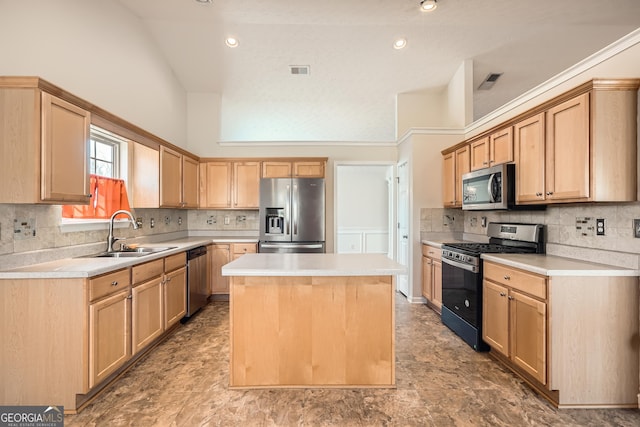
[174,262]
[432,252]
[529,283]
[109,283]
[244,248]
[146,271]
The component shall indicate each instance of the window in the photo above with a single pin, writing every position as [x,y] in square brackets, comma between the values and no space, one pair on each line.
[107,186]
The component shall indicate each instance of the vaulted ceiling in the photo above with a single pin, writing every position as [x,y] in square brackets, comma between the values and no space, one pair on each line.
[355,73]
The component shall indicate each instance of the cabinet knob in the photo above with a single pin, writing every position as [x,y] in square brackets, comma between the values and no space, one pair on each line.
[129,296]
[538,194]
[168,279]
[507,277]
[485,163]
[510,297]
[502,294]
[549,193]
[114,283]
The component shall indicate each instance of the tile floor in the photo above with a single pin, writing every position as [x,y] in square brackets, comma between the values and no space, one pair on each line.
[440,382]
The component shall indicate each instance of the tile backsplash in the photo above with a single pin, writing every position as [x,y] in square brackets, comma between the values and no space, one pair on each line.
[617,246]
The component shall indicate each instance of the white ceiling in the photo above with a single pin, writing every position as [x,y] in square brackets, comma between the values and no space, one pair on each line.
[355,72]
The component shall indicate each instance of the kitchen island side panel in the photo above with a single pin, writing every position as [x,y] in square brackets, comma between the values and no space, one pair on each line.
[304,331]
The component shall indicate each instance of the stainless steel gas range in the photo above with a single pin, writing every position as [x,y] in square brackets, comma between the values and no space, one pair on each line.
[462,275]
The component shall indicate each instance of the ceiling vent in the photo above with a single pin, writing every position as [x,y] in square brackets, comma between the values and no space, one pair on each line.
[299,69]
[488,83]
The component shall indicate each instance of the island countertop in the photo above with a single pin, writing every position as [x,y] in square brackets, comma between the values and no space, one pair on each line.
[262,264]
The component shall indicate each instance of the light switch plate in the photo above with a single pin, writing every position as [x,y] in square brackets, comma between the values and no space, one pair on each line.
[636,228]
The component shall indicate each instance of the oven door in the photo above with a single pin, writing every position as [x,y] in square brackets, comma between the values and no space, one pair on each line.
[462,290]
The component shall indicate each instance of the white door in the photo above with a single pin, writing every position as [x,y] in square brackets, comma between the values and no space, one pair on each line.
[403,226]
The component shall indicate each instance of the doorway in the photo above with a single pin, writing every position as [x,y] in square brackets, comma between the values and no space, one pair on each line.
[364,208]
[403,226]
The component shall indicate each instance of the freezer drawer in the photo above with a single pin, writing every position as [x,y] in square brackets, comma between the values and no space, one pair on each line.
[289,248]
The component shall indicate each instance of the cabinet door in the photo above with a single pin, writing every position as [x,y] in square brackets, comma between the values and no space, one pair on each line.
[495,316]
[568,150]
[145,177]
[529,156]
[463,164]
[189,182]
[65,157]
[501,146]
[479,152]
[146,313]
[276,169]
[219,257]
[246,184]
[449,180]
[529,335]
[427,278]
[437,283]
[170,178]
[175,296]
[311,169]
[109,336]
[215,187]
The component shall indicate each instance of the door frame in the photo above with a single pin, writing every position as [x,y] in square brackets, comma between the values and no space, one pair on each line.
[392,202]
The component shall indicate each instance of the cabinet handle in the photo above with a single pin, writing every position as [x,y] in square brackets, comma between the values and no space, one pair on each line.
[549,193]
[502,294]
[538,194]
[507,277]
[168,279]
[485,163]
[114,283]
[129,296]
[510,297]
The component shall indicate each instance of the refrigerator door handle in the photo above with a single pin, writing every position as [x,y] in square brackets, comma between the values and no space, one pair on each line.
[294,207]
[287,211]
[291,246]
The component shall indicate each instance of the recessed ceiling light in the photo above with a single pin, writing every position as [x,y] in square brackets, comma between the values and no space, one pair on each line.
[399,43]
[428,5]
[231,42]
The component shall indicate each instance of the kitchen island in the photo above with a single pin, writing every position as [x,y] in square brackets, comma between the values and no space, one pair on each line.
[312,320]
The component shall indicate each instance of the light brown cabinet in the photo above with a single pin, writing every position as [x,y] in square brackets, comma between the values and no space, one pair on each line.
[175,289]
[230,184]
[514,318]
[178,179]
[146,304]
[432,276]
[144,173]
[109,325]
[492,150]
[583,151]
[312,168]
[455,164]
[220,255]
[44,144]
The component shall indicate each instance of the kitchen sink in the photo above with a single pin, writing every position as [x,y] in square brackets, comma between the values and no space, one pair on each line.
[134,252]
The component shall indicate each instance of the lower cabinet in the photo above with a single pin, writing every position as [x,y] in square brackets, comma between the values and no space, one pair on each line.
[514,317]
[222,254]
[146,304]
[432,276]
[175,296]
[109,336]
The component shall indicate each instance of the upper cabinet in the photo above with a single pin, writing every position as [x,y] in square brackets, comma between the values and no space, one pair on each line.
[582,149]
[43,145]
[230,184]
[178,179]
[307,168]
[455,164]
[578,147]
[144,173]
[492,150]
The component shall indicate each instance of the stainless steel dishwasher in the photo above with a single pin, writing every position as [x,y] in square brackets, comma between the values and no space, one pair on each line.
[197,292]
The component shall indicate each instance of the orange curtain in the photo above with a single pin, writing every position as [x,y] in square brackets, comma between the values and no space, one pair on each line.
[107,196]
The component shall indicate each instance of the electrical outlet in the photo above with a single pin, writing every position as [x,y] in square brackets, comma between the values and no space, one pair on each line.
[600,227]
[167,220]
[152,222]
[636,228]
[179,220]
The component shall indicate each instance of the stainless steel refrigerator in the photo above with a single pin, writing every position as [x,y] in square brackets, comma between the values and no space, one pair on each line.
[292,215]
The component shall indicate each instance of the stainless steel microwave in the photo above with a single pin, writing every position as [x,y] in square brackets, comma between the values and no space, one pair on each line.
[490,188]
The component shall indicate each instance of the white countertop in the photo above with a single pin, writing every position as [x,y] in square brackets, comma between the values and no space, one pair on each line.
[550,265]
[313,265]
[80,267]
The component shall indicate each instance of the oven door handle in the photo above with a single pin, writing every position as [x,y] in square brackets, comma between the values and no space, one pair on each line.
[471,268]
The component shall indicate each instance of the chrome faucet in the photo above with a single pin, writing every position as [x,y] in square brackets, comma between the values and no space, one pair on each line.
[110,239]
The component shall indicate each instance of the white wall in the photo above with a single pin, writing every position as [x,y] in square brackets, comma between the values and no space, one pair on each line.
[426,108]
[98,51]
[460,96]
